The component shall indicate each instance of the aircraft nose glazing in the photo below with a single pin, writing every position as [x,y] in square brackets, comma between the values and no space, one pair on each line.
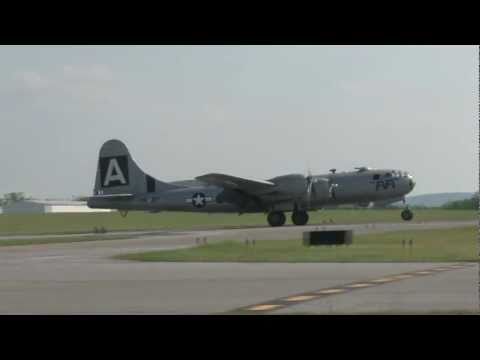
[411,183]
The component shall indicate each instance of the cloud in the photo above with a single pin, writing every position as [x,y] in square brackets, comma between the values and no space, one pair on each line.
[32,81]
[93,73]
[71,83]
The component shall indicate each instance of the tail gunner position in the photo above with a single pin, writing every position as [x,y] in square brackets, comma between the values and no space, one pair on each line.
[120,184]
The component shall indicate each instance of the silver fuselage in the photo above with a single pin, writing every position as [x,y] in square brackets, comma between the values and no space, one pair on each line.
[356,187]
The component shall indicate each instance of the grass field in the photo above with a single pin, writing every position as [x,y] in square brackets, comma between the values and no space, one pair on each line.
[83,223]
[61,240]
[428,245]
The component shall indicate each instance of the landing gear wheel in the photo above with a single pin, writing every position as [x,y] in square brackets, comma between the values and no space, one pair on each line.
[276,218]
[299,217]
[407,215]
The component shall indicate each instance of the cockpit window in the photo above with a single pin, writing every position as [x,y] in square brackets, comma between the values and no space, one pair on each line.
[376,177]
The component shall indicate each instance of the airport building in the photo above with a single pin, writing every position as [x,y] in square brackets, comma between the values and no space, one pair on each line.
[48,206]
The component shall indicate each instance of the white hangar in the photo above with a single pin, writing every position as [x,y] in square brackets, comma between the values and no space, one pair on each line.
[48,206]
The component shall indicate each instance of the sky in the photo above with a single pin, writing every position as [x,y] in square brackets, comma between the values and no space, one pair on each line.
[251,111]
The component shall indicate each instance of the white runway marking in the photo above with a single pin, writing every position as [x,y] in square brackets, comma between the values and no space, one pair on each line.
[301,298]
[383,280]
[330,291]
[361,285]
[264,307]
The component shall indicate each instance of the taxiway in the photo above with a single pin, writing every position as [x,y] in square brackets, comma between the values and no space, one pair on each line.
[82,278]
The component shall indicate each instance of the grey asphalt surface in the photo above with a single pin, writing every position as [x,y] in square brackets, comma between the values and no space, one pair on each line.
[455,290]
[81,278]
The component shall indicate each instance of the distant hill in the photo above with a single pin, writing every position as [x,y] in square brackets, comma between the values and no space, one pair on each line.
[436,200]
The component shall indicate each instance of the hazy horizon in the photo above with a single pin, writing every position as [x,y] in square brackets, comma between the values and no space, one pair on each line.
[252,111]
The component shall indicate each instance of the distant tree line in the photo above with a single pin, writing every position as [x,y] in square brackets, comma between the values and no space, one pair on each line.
[471,203]
[13,197]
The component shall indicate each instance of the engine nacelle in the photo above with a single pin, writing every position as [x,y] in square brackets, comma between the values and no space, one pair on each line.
[294,188]
[293,185]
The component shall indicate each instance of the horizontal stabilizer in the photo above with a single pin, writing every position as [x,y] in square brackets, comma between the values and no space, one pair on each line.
[106,201]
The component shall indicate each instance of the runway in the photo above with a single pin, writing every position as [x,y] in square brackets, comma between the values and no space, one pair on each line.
[81,278]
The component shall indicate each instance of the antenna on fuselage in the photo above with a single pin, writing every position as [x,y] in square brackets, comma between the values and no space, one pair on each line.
[362,168]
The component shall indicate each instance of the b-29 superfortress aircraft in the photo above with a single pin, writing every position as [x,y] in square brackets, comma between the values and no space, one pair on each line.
[120,184]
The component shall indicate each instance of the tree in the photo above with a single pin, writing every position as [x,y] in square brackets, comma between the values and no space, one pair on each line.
[471,203]
[13,197]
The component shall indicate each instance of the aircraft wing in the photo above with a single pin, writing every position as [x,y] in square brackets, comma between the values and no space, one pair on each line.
[235,183]
[111,196]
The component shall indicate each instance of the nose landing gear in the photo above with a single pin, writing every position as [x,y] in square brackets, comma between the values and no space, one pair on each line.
[407,214]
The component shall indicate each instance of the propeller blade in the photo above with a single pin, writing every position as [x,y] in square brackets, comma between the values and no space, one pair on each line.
[310,188]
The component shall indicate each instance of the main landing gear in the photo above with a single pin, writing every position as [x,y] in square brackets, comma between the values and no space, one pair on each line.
[300,217]
[407,214]
[277,218]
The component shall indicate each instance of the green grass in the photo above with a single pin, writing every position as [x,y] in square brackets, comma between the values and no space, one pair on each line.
[21,224]
[60,240]
[428,245]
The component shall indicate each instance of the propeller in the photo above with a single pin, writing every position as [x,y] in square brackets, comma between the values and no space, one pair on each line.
[310,187]
[311,190]
[331,190]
